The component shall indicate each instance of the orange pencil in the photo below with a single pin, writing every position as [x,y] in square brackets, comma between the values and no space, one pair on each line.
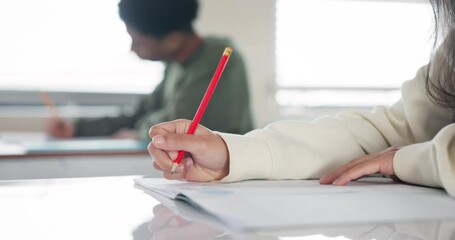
[47,101]
[204,103]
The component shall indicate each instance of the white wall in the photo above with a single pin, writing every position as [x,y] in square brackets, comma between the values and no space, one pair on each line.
[251,24]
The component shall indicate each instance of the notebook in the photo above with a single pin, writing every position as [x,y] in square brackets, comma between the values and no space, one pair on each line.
[256,205]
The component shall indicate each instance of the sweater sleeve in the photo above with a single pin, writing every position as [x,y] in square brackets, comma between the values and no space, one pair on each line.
[300,150]
[106,126]
[430,163]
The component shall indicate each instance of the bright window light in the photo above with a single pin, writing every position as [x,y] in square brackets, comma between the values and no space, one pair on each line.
[327,46]
[79,46]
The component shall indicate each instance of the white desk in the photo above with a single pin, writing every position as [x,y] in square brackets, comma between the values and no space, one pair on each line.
[66,164]
[111,208]
[44,167]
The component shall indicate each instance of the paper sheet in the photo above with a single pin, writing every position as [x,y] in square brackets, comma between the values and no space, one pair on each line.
[277,204]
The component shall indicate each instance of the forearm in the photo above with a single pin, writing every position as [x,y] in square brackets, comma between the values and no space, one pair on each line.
[102,126]
[290,150]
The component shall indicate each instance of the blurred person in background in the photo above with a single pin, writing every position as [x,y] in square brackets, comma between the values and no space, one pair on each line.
[162,30]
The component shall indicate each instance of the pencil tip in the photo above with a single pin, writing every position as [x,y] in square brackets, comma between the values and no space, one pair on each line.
[174,167]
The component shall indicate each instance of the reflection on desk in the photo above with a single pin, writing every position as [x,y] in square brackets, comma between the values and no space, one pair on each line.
[110,208]
[167,225]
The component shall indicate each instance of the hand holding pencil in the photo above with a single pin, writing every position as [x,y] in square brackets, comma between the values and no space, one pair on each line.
[59,128]
[205,168]
[56,126]
[208,157]
[204,103]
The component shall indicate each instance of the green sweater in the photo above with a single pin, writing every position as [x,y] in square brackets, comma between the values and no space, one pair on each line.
[180,92]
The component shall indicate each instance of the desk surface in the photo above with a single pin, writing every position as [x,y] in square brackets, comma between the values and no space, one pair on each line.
[32,155]
[111,208]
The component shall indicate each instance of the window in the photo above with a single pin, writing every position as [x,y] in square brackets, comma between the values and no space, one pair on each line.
[78,46]
[349,53]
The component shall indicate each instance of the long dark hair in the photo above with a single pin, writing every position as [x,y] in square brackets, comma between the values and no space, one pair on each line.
[441,84]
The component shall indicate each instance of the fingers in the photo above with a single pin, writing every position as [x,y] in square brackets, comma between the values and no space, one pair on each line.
[156,166]
[332,176]
[179,174]
[172,142]
[162,161]
[351,171]
[157,209]
[195,230]
[178,126]
[381,162]
[170,138]
[357,172]
[161,218]
[172,156]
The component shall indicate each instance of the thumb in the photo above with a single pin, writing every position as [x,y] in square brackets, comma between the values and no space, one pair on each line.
[176,142]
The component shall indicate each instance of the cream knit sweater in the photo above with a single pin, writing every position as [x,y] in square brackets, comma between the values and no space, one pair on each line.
[302,150]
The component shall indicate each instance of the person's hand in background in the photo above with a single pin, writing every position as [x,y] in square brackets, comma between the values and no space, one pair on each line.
[59,128]
[207,156]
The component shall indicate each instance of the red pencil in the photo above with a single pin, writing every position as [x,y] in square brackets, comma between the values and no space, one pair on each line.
[205,101]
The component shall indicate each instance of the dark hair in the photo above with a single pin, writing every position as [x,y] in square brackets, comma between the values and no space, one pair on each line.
[159,17]
[441,86]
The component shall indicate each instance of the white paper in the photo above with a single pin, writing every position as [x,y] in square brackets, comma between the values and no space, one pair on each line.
[277,204]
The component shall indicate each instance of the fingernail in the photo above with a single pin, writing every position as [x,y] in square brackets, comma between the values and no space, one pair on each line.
[336,181]
[158,139]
